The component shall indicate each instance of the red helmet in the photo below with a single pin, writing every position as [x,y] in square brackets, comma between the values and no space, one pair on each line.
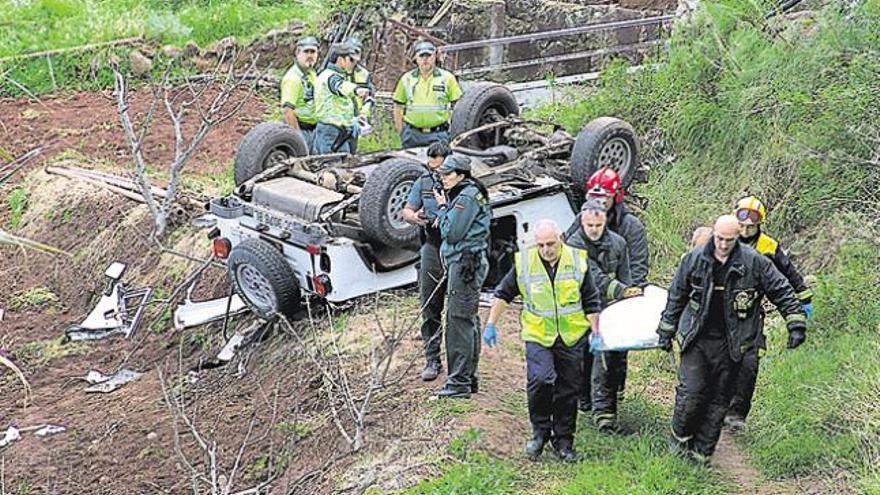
[604,183]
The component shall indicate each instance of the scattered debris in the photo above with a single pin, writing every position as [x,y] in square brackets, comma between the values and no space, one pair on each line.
[104,384]
[7,362]
[140,64]
[118,312]
[50,430]
[11,435]
[191,314]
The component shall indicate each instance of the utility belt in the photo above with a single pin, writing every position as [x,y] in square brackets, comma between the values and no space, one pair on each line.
[428,130]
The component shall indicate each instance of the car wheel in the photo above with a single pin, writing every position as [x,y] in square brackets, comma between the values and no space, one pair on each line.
[264,146]
[382,200]
[482,104]
[604,141]
[264,279]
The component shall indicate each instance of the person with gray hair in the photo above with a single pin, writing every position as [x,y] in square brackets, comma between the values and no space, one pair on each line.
[609,262]
[560,305]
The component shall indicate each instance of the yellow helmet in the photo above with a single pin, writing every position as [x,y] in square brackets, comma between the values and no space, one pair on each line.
[750,210]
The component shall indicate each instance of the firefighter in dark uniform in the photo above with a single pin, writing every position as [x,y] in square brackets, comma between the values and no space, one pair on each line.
[609,263]
[605,184]
[560,305]
[750,213]
[464,217]
[421,209]
[714,312]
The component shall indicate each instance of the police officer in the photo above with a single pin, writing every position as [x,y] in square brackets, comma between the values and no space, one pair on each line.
[463,216]
[335,107]
[421,209]
[362,77]
[560,305]
[750,213]
[298,89]
[608,256]
[605,184]
[714,311]
[423,100]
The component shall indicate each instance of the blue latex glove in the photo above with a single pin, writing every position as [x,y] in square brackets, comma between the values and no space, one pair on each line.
[490,335]
[808,309]
[355,127]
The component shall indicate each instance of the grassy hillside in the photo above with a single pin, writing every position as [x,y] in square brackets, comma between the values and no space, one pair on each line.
[28,26]
[789,111]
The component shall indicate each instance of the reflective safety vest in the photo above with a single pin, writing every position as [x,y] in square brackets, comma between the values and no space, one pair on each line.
[361,77]
[332,108]
[552,308]
[298,92]
[427,101]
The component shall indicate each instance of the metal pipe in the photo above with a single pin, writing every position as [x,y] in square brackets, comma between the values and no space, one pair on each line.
[557,58]
[455,47]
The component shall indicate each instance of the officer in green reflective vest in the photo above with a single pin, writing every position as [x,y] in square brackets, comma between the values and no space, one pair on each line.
[298,89]
[423,100]
[560,305]
[335,104]
[362,77]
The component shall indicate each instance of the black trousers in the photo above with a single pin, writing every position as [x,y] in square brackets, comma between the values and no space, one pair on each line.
[608,375]
[706,378]
[745,386]
[432,299]
[555,379]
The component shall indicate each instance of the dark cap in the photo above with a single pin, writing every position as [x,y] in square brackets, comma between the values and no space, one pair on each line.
[424,47]
[343,49]
[455,163]
[308,42]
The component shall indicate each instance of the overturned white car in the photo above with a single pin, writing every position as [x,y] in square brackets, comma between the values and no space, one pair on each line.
[300,226]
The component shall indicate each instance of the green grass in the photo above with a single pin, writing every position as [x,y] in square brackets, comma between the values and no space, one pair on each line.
[35,297]
[38,25]
[17,202]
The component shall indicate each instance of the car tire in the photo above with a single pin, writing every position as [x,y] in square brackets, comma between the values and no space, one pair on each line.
[382,200]
[481,104]
[604,141]
[264,146]
[264,279]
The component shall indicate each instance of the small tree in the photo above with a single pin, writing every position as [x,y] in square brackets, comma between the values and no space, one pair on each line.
[213,98]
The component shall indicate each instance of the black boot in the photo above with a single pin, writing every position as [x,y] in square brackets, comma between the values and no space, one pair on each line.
[451,393]
[535,446]
[565,452]
[432,369]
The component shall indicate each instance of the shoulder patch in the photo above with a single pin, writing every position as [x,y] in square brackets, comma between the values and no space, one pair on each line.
[766,245]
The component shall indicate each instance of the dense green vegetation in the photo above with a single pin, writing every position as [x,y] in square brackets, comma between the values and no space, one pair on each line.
[29,26]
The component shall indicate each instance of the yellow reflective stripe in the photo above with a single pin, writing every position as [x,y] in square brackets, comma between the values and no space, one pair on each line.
[612,289]
[766,245]
[805,294]
[666,327]
[796,318]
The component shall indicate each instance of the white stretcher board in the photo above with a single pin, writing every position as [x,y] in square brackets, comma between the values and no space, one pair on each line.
[631,324]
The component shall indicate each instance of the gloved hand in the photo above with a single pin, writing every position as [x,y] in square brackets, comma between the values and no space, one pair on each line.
[632,292]
[364,127]
[490,335]
[665,343]
[355,127]
[796,338]
[808,309]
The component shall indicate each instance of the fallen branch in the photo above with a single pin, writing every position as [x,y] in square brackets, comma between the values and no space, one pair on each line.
[47,53]
[17,372]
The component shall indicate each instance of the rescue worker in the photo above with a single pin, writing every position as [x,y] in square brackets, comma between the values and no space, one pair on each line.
[605,184]
[750,212]
[423,100]
[362,77]
[298,89]
[463,216]
[608,254]
[560,305]
[335,94]
[714,312]
[421,209]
